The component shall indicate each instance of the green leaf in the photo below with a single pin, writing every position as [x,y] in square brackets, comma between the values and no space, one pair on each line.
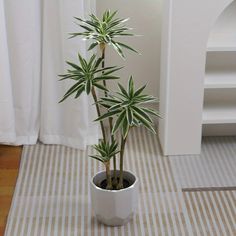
[106,115]
[129,115]
[98,62]
[105,150]
[115,107]
[64,77]
[145,99]
[131,86]
[101,149]
[110,99]
[91,61]
[114,153]
[104,16]
[144,122]
[92,45]
[97,158]
[118,122]
[124,34]
[112,71]
[100,86]
[124,97]
[136,122]
[73,35]
[139,91]
[151,111]
[104,105]
[79,19]
[94,18]
[125,128]
[82,62]
[79,91]
[72,90]
[105,69]
[114,24]
[74,66]
[122,89]
[127,47]
[142,113]
[117,48]
[86,27]
[106,77]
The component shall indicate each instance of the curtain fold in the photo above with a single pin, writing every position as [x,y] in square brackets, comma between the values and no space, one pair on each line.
[7,119]
[37,36]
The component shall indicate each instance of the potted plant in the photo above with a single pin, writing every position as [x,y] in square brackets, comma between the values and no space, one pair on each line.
[114,193]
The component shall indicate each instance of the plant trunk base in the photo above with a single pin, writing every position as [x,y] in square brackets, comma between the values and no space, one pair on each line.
[103,185]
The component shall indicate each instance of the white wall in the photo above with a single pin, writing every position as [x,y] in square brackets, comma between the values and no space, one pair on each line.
[145,18]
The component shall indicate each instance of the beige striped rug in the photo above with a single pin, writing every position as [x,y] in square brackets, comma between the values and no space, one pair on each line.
[52,195]
[214,168]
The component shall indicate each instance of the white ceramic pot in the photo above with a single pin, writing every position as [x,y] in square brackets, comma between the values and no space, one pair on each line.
[114,207]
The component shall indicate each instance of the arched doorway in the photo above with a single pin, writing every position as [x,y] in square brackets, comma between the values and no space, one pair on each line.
[219,110]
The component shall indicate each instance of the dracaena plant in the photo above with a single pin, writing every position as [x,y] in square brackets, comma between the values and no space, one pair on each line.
[88,76]
[126,107]
[105,31]
[105,152]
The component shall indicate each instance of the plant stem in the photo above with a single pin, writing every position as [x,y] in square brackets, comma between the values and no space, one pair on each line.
[103,50]
[122,149]
[108,175]
[114,157]
[99,113]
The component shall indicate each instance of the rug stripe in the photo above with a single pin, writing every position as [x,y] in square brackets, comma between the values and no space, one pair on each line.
[137,171]
[157,216]
[159,181]
[28,193]
[42,202]
[229,217]
[146,185]
[231,198]
[230,163]
[222,173]
[77,194]
[128,161]
[40,190]
[130,226]
[222,214]
[167,189]
[34,190]
[143,183]
[215,166]
[45,208]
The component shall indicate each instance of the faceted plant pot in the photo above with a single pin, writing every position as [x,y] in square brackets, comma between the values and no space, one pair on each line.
[114,207]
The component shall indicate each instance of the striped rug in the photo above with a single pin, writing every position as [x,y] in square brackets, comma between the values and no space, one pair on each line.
[214,168]
[52,195]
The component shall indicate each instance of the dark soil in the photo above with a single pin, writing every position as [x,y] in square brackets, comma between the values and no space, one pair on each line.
[126,184]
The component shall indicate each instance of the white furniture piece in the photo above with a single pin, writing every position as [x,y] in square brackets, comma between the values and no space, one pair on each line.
[198,75]
[219,111]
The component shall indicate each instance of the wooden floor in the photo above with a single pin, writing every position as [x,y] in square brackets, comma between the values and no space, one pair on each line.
[9,167]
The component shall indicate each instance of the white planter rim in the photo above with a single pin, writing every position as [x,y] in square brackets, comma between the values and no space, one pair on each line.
[114,191]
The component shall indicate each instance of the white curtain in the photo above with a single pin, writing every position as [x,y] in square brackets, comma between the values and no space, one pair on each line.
[33,47]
